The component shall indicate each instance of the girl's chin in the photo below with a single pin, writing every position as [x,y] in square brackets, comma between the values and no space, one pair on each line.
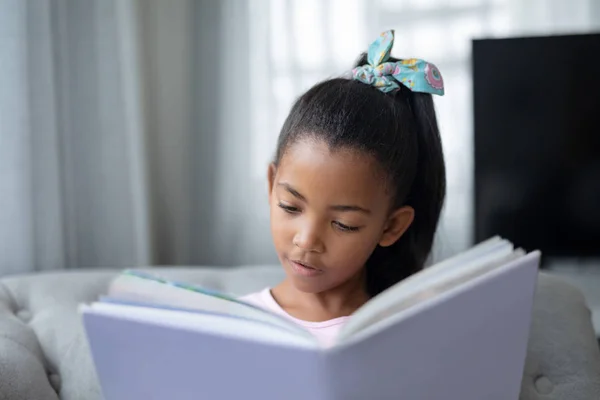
[307,285]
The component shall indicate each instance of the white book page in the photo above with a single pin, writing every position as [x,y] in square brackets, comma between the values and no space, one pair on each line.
[456,265]
[407,293]
[458,261]
[395,312]
[208,323]
[131,288]
[468,343]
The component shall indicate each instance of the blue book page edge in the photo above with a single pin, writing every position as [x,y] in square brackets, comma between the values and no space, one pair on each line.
[208,292]
[182,285]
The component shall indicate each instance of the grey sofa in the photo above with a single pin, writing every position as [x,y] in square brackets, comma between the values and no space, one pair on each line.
[44,354]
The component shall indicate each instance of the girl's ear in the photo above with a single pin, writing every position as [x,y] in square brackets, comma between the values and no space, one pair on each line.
[396,225]
[271,177]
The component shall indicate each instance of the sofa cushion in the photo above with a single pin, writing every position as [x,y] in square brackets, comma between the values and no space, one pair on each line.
[43,336]
[563,360]
[44,353]
[43,349]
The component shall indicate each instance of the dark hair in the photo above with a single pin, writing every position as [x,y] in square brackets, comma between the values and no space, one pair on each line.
[399,129]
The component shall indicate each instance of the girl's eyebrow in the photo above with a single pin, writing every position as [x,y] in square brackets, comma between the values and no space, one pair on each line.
[341,207]
[337,207]
[292,191]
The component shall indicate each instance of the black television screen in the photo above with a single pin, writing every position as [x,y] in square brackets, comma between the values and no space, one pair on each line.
[537,142]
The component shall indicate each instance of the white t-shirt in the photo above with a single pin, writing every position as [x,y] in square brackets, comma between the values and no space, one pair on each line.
[325,331]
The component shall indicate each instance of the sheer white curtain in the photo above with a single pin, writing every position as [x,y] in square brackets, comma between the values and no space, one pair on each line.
[310,40]
[138,132]
[124,135]
[71,186]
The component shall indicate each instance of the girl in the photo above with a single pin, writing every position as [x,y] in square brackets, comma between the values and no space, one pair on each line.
[355,190]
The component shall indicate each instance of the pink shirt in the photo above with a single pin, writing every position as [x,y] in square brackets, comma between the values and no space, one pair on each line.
[325,331]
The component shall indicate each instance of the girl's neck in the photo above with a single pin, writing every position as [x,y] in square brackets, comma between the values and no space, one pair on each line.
[340,301]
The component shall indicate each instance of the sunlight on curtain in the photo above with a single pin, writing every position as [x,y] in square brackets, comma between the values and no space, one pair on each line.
[313,40]
[309,41]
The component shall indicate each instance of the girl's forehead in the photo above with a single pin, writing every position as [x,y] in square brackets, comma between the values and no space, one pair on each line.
[313,166]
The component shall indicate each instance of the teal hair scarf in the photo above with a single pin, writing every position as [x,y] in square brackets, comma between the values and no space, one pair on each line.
[414,74]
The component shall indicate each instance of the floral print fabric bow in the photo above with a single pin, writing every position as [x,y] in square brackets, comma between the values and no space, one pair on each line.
[415,74]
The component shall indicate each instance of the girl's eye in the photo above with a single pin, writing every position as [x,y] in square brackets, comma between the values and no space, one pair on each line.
[289,209]
[295,210]
[345,228]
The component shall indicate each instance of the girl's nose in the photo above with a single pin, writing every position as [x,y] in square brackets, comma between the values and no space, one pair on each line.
[309,240]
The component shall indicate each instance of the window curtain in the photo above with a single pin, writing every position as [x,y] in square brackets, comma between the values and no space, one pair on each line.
[124,129]
[138,132]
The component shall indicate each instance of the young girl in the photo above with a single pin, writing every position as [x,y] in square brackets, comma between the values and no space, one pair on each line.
[355,190]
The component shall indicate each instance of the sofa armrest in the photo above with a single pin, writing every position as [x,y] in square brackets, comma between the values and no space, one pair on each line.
[563,358]
[43,349]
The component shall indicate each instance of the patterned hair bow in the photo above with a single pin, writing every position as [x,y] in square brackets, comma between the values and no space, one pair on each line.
[417,75]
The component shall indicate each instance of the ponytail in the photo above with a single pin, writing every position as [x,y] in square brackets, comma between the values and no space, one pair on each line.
[389,265]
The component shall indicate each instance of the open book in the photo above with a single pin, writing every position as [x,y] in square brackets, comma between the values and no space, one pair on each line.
[456,330]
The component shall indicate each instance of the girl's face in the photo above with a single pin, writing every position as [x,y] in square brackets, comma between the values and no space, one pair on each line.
[329,210]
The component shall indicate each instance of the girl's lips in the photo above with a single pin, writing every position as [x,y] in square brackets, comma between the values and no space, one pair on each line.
[304,270]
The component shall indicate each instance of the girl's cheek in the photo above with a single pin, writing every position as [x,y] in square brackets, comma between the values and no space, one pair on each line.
[280,228]
[361,247]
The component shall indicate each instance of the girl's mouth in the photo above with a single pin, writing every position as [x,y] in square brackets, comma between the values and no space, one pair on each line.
[303,269]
